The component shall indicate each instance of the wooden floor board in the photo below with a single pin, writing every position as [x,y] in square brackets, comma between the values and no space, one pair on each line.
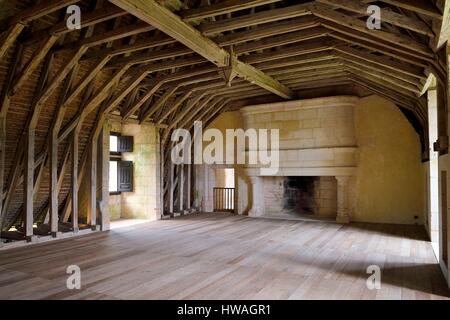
[222,256]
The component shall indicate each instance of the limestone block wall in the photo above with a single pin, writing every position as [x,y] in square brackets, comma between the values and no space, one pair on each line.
[307,124]
[144,201]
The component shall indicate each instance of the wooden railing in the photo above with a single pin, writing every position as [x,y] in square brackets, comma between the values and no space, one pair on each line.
[223,199]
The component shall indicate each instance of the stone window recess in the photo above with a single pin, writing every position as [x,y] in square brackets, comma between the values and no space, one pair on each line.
[121,172]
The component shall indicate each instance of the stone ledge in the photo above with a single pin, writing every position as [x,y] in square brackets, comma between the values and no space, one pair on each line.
[336,101]
[302,171]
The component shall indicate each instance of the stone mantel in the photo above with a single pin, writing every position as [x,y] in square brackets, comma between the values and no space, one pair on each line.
[316,103]
[306,172]
[339,161]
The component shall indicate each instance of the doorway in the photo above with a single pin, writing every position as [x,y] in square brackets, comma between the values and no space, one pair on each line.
[224,190]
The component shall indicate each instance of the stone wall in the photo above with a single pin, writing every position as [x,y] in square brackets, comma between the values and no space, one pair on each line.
[144,201]
[391,182]
[308,124]
[319,200]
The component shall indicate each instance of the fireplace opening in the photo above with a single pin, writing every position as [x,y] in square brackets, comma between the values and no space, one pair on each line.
[301,196]
[298,195]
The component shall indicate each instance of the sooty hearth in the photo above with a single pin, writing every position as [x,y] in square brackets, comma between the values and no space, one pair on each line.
[299,194]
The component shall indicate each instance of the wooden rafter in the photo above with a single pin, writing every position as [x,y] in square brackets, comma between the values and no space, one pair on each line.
[223,7]
[388,15]
[172,25]
[9,37]
[419,6]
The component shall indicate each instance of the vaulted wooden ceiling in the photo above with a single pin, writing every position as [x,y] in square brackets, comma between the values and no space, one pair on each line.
[170,62]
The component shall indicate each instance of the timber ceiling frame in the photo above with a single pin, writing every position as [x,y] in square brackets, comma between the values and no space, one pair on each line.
[170,62]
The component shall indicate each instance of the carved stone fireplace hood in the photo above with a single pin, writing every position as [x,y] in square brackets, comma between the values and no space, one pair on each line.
[317,138]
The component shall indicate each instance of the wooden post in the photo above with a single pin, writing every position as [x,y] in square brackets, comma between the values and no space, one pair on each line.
[181,188]
[171,187]
[29,138]
[103,150]
[161,176]
[2,164]
[188,186]
[75,180]
[93,192]
[55,181]
[28,185]
[54,184]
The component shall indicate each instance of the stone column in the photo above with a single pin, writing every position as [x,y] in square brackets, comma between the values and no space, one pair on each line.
[343,215]
[257,195]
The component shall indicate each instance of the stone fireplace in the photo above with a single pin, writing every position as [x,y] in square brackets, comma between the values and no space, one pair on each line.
[300,196]
[317,158]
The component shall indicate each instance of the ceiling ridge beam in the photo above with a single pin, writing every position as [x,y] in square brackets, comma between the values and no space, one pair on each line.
[171,24]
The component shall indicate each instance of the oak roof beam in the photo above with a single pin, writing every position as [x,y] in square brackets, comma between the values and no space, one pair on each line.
[156,84]
[418,6]
[158,104]
[89,19]
[38,11]
[389,16]
[263,17]
[35,61]
[93,103]
[222,7]
[9,37]
[326,12]
[166,21]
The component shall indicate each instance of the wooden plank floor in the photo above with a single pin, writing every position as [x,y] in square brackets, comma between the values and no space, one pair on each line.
[220,256]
